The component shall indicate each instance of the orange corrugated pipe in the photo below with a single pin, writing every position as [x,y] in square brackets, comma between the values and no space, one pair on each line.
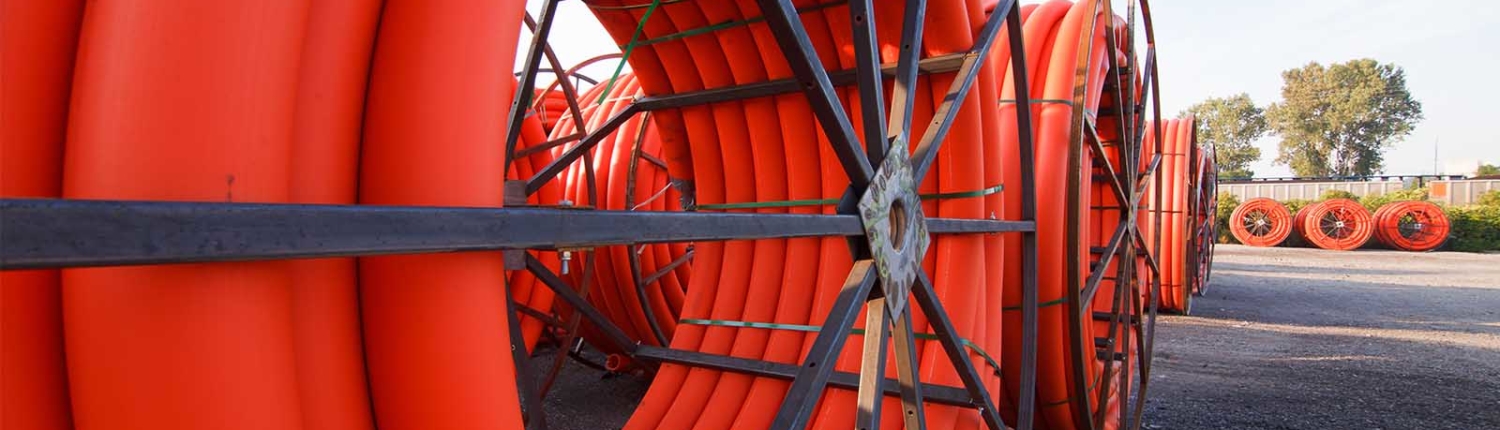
[617,166]
[1261,222]
[1416,226]
[39,41]
[184,101]
[730,161]
[1335,224]
[435,325]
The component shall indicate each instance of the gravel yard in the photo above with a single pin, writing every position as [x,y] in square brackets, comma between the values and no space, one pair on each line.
[1290,338]
[1286,338]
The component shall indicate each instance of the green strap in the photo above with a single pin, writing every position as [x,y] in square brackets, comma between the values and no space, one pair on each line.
[630,6]
[814,329]
[1038,305]
[629,47]
[1039,101]
[635,39]
[728,24]
[816,202]
[964,194]
[1090,389]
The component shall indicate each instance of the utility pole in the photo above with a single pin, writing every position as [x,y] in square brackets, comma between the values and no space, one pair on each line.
[1435,141]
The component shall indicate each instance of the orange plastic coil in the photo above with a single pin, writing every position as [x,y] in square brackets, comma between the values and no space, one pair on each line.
[770,149]
[1177,227]
[324,170]
[1206,218]
[1104,218]
[435,325]
[1335,224]
[1261,222]
[38,42]
[627,177]
[731,157]
[185,101]
[1415,226]
[550,106]
[525,289]
[1299,221]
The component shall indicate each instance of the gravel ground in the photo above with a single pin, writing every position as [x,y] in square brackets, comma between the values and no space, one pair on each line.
[1285,339]
[1291,338]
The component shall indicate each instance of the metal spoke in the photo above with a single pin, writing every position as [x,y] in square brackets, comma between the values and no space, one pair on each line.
[871,89]
[532,413]
[927,299]
[1091,287]
[579,304]
[792,38]
[583,148]
[807,387]
[937,132]
[1101,157]
[518,107]
[570,93]
[904,92]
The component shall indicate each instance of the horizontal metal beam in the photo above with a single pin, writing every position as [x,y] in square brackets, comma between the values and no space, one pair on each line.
[940,64]
[42,233]
[961,226]
[934,393]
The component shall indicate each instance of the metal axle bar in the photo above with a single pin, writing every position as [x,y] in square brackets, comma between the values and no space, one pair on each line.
[42,233]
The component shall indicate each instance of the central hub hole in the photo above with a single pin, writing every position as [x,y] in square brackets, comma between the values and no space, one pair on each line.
[898,225]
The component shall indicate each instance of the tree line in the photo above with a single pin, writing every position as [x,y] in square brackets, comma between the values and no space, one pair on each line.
[1335,120]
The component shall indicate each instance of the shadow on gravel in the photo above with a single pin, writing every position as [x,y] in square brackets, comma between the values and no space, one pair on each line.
[1278,268]
[1276,346]
[1345,303]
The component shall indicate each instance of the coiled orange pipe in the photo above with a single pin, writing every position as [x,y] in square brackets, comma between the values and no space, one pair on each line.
[550,107]
[324,160]
[524,288]
[679,397]
[1261,222]
[733,157]
[39,41]
[1205,221]
[628,178]
[435,325]
[1335,224]
[1177,227]
[1415,226]
[186,101]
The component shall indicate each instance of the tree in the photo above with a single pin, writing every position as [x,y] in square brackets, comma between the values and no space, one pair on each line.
[1231,125]
[1339,120]
[1487,170]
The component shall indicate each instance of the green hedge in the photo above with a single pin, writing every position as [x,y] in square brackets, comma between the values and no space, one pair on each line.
[1337,194]
[1474,228]
[1373,202]
[1227,203]
[1491,198]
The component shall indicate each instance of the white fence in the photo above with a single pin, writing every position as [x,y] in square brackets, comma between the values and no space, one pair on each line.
[1457,193]
[1284,191]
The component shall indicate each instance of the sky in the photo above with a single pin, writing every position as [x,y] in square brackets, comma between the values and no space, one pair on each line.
[1218,48]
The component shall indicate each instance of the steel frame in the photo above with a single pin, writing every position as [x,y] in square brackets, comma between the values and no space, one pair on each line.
[1127,184]
[74,233]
